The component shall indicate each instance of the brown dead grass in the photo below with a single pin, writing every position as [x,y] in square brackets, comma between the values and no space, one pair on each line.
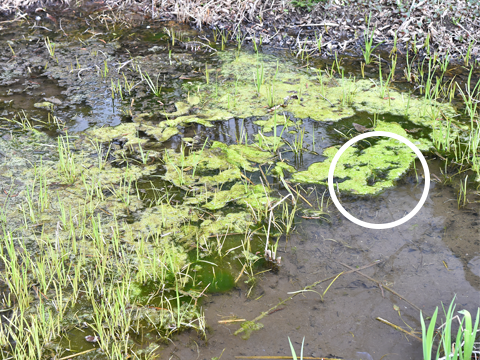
[453,30]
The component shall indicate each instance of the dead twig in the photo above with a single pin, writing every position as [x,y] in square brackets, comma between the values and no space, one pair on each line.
[81,353]
[230,321]
[396,327]
[265,313]
[379,284]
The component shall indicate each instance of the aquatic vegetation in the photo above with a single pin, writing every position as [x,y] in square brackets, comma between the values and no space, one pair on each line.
[229,160]
[280,167]
[83,251]
[368,39]
[248,327]
[294,354]
[154,87]
[118,229]
[367,171]
[464,345]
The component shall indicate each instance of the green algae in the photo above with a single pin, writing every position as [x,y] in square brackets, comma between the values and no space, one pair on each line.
[259,86]
[248,327]
[268,125]
[159,219]
[45,104]
[124,132]
[280,167]
[243,155]
[367,171]
[160,134]
[233,174]
[253,195]
[128,134]
[183,108]
[230,160]
[230,223]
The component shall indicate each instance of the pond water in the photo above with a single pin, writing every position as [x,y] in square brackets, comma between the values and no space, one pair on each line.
[230,134]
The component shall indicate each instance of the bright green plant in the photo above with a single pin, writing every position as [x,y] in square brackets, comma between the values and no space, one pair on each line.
[294,354]
[462,347]
[368,37]
[306,4]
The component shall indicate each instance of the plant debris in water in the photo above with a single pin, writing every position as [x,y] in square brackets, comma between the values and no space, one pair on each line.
[367,171]
[117,232]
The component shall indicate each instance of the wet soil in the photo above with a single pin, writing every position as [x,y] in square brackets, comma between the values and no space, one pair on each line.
[429,260]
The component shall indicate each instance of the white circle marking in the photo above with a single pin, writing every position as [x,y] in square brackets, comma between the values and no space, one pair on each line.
[390,224]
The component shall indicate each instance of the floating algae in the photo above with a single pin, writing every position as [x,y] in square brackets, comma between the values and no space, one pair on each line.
[260,86]
[183,170]
[254,196]
[367,171]
[280,167]
[73,228]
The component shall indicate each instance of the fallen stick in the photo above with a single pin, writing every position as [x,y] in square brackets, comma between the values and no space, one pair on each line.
[241,272]
[265,313]
[396,327]
[77,354]
[379,284]
[299,195]
[230,321]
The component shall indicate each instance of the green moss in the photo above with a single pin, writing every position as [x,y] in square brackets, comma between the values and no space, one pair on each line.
[366,171]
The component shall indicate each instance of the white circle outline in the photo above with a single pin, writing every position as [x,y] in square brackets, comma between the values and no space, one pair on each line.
[390,224]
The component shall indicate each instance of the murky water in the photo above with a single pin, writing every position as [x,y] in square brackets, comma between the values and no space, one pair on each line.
[427,260]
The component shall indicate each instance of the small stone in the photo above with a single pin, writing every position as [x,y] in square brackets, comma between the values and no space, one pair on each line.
[91,338]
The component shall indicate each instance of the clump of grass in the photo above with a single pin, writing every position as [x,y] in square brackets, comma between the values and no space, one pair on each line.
[66,159]
[462,347]
[258,77]
[153,86]
[368,38]
[50,48]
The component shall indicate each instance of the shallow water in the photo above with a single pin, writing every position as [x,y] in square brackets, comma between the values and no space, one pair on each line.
[412,263]
[427,260]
